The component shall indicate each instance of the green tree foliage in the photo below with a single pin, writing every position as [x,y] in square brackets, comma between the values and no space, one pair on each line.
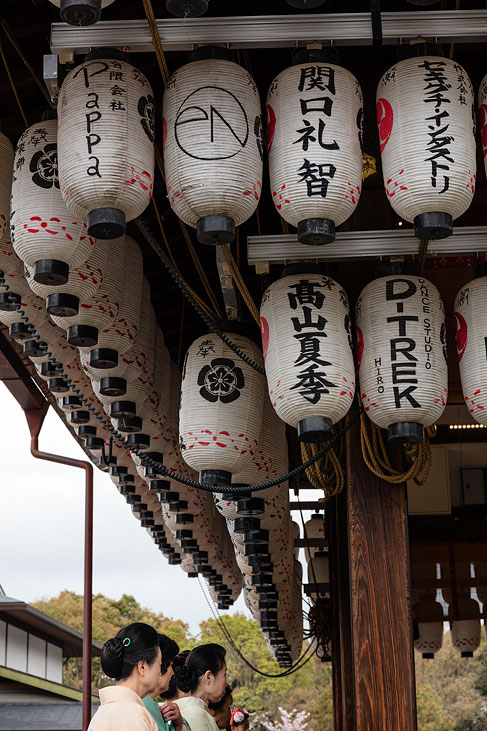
[109,616]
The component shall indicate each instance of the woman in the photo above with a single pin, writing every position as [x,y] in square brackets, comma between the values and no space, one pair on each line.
[167,716]
[221,709]
[203,677]
[173,693]
[133,659]
[239,720]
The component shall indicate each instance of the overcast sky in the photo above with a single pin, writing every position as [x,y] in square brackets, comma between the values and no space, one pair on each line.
[41,529]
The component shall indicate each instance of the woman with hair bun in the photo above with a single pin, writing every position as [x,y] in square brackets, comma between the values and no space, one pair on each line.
[167,715]
[203,677]
[133,659]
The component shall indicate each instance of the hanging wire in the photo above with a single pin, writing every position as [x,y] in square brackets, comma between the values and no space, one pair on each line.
[12,84]
[305,657]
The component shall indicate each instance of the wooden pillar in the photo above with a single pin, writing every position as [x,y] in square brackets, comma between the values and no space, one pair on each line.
[379,664]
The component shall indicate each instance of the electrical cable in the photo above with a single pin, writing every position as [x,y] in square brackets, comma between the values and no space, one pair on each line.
[219,619]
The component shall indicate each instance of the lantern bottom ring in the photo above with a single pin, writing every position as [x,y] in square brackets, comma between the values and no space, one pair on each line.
[428,656]
[51,272]
[82,417]
[84,432]
[82,336]
[433,225]
[187,8]
[103,358]
[61,304]
[57,385]
[129,424]
[466,654]
[215,230]
[106,223]
[315,429]
[112,386]
[316,231]
[122,408]
[406,431]
[20,332]
[138,441]
[35,348]
[80,12]
[248,505]
[9,301]
[216,477]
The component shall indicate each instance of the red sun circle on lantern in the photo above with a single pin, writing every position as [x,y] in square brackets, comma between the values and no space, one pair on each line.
[271,126]
[460,335]
[483,127]
[360,345]
[385,121]
[264,328]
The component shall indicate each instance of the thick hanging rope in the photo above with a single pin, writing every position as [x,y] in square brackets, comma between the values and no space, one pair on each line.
[327,474]
[375,455]
[239,281]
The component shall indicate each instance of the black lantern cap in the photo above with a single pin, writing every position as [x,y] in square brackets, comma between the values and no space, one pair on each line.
[9,301]
[308,56]
[246,525]
[315,429]
[88,431]
[118,470]
[178,506]
[159,486]
[79,417]
[139,508]
[174,560]
[184,534]
[262,580]
[216,477]
[49,368]
[133,498]
[94,443]
[203,53]
[35,348]
[138,441]
[390,268]
[428,655]
[113,386]
[80,12]
[190,545]
[72,402]
[433,225]
[257,536]
[20,331]
[58,385]
[51,272]
[168,496]
[61,304]
[214,230]
[316,231]
[106,223]
[82,336]
[248,505]
[126,479]
[254,548]
[122,408]
[405,432]
[103,358]
[184,518]
[126,489]
[129,424]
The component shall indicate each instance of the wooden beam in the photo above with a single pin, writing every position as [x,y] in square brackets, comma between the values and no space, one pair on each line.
[18,379]
[381,621]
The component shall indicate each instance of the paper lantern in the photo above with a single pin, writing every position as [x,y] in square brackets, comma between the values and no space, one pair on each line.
[427,141]
[45,235]
[470,336]
[221,407]
[465,632]
[106,142]
[6,162]
[402,354]
[428,615]
[314,529]
[306,337]
[81,12]
[213,145]
[314,139]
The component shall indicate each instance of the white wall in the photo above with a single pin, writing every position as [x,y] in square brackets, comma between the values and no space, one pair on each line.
[16,648]
[36,657]
[30,654]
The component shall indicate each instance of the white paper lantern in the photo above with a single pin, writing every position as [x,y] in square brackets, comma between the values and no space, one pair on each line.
[465,633]
[306,337]
[45,235]
[81,12]
[402,354]
[427,142]
[221,407]
[483,116]
[314,528]
[106,143]
[6,163]
[471,332]
[428,614]
[213,147]
[314,140]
